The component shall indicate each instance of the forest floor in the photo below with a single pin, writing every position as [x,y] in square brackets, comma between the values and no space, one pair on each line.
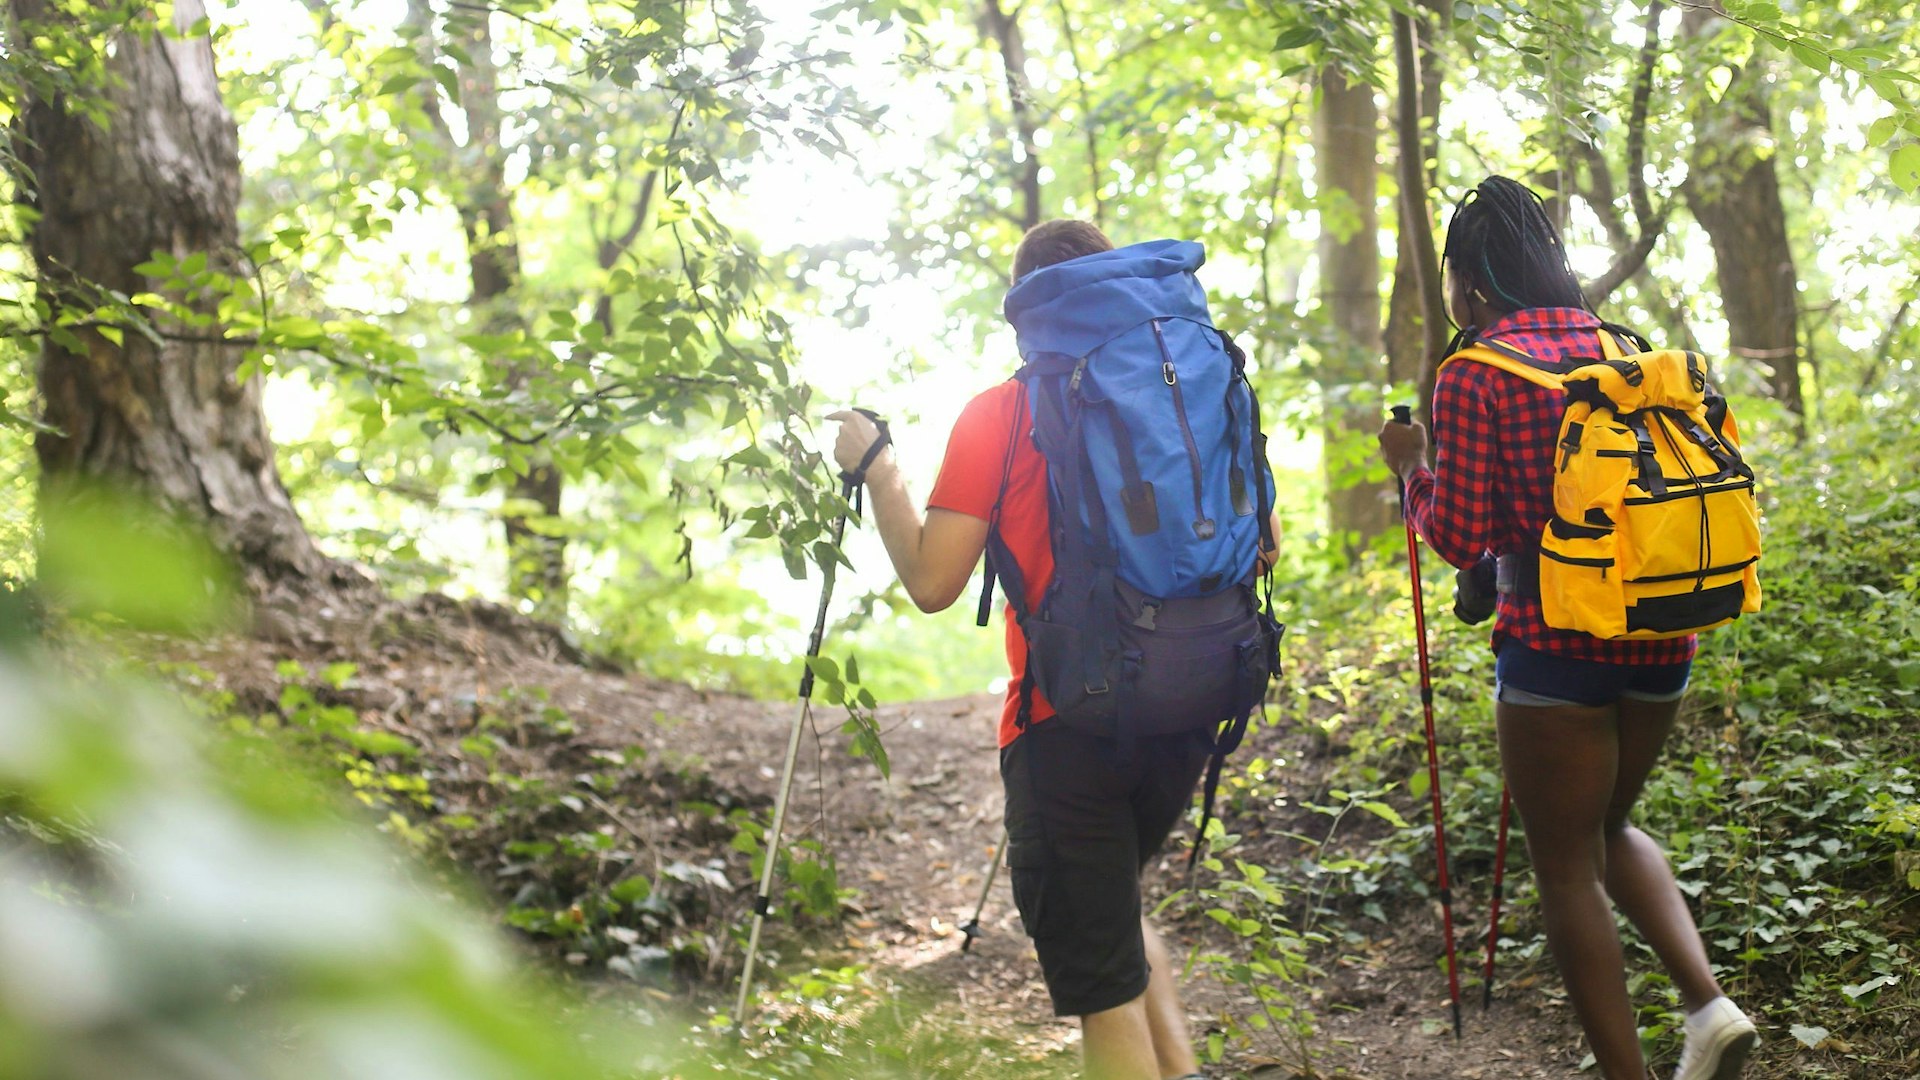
[914,846]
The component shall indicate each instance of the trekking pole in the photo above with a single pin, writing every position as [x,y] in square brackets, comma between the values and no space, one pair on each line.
[1404,415]
[972,928]
[1499,879]
[850,488]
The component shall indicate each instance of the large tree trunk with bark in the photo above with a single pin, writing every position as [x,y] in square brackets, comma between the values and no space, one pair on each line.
[1734,192]
[1345,152]
[168,418]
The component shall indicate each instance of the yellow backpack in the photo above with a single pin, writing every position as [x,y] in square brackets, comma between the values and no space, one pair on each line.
[1655,532]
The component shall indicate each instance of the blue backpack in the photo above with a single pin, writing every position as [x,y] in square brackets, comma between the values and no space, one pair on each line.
[1160,495]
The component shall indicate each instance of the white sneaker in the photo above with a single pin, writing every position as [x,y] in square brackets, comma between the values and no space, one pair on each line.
[1719,1038]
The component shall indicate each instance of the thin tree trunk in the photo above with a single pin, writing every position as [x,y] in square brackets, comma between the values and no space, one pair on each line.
[1089,128]
[536,561]
[1734,192]
[167,418]
[1004,29]
[1346,151]
[1416,314]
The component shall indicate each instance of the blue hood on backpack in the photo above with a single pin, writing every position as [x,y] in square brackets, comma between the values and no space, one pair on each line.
[1077,306]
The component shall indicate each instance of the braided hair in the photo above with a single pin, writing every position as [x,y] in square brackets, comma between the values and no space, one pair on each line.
[1503,242]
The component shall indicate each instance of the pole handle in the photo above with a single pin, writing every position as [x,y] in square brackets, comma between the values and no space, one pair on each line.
[853,480]
[1402,414]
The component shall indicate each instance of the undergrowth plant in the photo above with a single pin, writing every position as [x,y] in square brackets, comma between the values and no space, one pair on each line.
[1787,797]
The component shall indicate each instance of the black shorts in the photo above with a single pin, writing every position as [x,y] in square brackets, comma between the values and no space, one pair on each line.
[1084,816]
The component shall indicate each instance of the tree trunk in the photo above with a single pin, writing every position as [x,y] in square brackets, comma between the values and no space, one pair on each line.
[1416,318]
[1734,192]
[1345,150]
[170,418]
[536,561]
[1003,28]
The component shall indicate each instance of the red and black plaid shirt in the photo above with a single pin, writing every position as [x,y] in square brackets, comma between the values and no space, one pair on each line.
[1493,488]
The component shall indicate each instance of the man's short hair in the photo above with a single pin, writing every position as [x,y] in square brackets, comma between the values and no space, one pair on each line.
[1057,241]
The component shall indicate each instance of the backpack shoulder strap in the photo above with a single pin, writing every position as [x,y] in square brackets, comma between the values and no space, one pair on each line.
[1513,361]
[999,561]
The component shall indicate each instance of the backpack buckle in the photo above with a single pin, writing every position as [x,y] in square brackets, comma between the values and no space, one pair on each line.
[1149,615]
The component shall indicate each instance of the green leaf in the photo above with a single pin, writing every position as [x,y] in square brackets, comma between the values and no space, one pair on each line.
[1883,130]
[1385,813]
[1296,38]
[824,668]
[1861,990]
[1904,167]
[1812,57]
[1810,1037]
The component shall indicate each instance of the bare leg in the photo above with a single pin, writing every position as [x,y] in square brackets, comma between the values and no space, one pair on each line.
[1166,1016]
[1118,1043]
[1561,763]
[1638,876]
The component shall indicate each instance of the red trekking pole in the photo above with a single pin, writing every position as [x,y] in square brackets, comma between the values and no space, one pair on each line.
[1499,879]
[1404,415]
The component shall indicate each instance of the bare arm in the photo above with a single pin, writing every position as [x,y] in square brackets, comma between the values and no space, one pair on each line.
[934,555]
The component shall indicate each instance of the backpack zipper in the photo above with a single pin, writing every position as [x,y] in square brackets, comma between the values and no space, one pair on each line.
[1202,525]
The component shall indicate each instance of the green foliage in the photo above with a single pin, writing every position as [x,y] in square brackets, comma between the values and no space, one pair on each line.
[181,893]
[106,552]
[1787,801]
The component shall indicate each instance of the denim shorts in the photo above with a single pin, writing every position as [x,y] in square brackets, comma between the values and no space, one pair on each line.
[1524,676]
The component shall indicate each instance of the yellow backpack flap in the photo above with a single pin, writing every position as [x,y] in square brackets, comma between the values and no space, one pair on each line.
[1655,531]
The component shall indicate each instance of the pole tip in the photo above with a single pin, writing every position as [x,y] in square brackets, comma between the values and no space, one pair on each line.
[1403,414]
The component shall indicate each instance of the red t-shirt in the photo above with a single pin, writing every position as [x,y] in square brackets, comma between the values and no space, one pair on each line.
[969,483]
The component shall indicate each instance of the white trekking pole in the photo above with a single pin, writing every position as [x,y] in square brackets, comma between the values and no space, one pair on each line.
[851,486]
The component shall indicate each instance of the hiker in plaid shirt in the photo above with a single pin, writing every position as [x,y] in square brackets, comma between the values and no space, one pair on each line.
[1581,720]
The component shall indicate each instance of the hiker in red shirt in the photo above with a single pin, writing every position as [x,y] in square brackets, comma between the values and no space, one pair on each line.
[1581,720]
[1083,819]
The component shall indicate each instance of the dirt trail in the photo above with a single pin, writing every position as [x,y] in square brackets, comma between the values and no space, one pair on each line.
[916,847]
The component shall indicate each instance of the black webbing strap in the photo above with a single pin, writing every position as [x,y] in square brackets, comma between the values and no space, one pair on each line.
[1722,453]
[998,561]
[1208,790]
[1640,344]
[1218,747]
[853,485]
[1650,475]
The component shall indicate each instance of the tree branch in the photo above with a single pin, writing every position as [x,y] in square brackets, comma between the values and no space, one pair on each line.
[1651,224]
